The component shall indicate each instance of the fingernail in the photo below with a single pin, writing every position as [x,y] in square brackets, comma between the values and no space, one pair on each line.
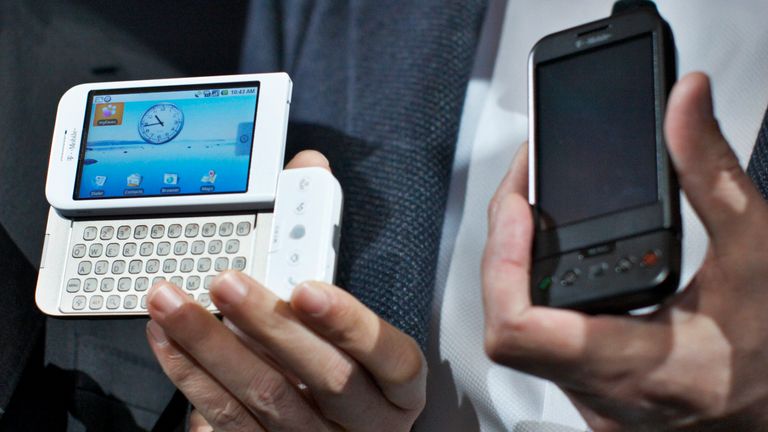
[314,301]
[166,299]
[229,288]
[157,333]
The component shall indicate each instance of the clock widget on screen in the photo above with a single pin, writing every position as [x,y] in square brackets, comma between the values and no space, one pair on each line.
[161,123]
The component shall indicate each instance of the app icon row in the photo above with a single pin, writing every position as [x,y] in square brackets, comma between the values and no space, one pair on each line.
[169,179]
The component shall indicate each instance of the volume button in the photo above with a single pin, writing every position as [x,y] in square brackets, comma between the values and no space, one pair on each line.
[45,251]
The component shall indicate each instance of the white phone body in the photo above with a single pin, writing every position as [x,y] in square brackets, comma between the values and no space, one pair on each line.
[77,113]
[298,242]
[103,251]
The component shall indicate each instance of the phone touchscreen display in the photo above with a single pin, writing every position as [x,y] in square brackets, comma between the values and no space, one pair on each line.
[167,141]
[596,132]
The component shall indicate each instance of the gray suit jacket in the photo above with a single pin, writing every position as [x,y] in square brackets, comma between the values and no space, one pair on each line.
[379,88]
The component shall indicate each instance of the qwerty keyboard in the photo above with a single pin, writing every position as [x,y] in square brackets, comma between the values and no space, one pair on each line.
[111,264]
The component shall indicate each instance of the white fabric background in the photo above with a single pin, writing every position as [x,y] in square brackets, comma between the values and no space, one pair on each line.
[727,40]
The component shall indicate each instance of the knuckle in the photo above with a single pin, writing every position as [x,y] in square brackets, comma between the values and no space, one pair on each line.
[350,324]
[338,376]
[408,363]
[267,394]
[178,368]
[228,416]
[500,335]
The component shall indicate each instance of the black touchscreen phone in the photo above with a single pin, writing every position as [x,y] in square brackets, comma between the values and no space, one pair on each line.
[604,194]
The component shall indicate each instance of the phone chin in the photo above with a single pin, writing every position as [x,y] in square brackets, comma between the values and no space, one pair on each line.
[613,277]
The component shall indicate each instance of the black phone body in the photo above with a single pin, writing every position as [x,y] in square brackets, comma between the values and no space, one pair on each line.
[604,194]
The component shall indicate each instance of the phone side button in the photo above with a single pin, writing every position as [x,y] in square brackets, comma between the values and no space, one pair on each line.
[45,251]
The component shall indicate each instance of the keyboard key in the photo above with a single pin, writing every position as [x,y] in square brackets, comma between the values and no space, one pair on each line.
[157,231]
[207,282]
[243,228]
[78,303]
[123,232]
[193,283]
[163,248]
[142,284]
[143,302]
[130,301]
[209,229]
[169,265]
[191,230]
[134,267]
[225,229]
[113,250]
[153,266]
[187,265]
[107,284]
[89,233]
[157,280]
[180,248]
[203,265]
[238,263]
[84,268]
[78,251]
[90,285]
[107,232]
[118,267]
[129,249]
[214,247]
[113,302]
[174,231]
[140,232]
[101,267]
[178,281]
[198,247]
[221,264]
[124,284]
[233,246]
[96,302]
[73,285]
[146,249]
[204,299]
[95,250]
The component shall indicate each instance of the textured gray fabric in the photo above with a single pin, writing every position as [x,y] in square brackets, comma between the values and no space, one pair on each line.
[758,163]
[378,87]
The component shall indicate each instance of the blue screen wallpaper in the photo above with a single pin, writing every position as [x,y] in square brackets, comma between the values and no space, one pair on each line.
[168,143]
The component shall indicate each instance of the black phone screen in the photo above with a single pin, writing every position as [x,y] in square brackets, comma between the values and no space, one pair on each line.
[596,132]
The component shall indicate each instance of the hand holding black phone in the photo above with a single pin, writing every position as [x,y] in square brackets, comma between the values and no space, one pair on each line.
[604,194]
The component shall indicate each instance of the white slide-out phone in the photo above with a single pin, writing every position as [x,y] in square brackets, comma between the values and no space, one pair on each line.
[177,179]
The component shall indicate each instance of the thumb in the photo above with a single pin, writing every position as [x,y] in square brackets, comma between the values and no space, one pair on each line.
[707,168]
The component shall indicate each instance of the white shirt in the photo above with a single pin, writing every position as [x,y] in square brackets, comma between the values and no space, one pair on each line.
[466,392]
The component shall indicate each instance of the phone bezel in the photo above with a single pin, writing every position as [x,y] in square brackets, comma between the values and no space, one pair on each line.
[267,154]
[623,223]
